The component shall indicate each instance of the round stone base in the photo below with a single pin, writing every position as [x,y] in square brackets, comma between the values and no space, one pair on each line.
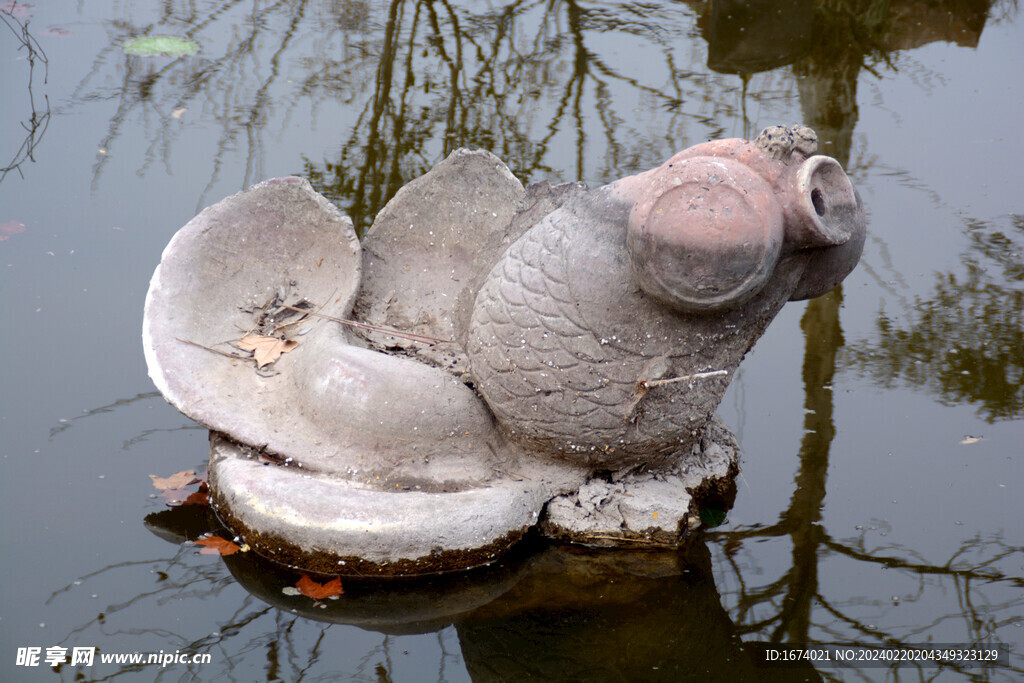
[332,525]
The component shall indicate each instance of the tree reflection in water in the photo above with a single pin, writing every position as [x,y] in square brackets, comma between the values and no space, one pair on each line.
[793,609]
[528,81]
[515,81]
[965,342]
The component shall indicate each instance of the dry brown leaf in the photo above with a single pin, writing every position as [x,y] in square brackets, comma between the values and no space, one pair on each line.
[175,481]
[266,349]
[318,591]
[215,545]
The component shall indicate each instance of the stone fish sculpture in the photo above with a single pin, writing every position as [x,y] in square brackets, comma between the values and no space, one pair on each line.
[549,356]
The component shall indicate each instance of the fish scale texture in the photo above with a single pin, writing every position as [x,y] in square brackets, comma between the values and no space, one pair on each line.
[549,364]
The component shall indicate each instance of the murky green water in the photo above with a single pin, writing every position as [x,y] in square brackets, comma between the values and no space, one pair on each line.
[882,426]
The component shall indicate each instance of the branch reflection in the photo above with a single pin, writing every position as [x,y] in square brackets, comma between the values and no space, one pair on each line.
[15,18]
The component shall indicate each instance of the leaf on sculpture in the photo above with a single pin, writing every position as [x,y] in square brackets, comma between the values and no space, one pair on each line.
[175,481]
[970,440]
[317,591]
[266,350]
[215,545]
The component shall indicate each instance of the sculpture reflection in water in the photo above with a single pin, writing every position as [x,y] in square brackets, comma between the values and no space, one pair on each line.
[651,614]
[585,614]
[574,609]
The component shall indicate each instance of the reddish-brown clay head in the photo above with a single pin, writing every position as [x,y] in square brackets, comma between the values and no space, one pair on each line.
[708,226]
[705,234]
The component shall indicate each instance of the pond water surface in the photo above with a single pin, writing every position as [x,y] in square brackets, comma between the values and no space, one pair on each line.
[882,425]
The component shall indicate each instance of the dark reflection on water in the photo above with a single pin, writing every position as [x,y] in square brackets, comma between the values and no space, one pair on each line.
[794,608]
[554,89]
[585,614]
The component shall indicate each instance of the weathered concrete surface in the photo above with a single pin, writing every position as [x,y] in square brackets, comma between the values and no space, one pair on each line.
[421,255]
[608,333]
[574,368]
[658,507]
[430,248]
[217,274]
[332,407]
[344,525]
[389,464]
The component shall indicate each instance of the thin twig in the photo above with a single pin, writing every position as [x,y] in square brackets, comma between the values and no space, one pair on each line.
[421,338]
[281,326]
[210,348]
[627,540]
[647,383]
[305,311]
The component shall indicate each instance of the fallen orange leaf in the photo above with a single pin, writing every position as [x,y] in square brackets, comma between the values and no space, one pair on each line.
[215,545]
[318,591]
[266,349]
[175,481]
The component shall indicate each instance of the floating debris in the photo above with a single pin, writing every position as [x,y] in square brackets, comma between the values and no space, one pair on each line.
[155,46]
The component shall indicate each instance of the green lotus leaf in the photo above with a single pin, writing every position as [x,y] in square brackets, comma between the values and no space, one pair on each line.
[153,46]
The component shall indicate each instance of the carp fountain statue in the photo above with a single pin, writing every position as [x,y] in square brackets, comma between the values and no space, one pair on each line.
[513,358]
